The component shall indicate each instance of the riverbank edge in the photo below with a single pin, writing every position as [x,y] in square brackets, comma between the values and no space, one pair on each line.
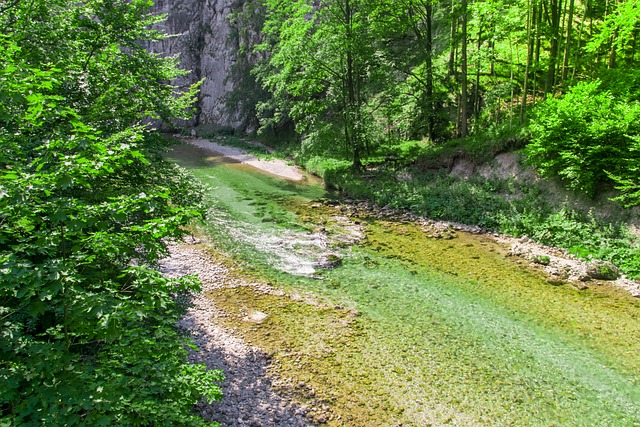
[253,392]
[557,264]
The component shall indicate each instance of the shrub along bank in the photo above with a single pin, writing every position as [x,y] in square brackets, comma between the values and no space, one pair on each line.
[88,327]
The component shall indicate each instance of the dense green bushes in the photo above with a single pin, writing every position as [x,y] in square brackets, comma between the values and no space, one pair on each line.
[590,139]
[86,206]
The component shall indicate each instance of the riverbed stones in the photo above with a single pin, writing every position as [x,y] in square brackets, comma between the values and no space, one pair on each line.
[252,392]
[329,261]
[602,270]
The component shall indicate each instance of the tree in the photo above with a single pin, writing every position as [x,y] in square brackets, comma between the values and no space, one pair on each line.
[587,138]
[86,203]
[619,30]
[319,63]
[552,14]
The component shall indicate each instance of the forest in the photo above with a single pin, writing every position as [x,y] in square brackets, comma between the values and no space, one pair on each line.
[558,76]
[88,203]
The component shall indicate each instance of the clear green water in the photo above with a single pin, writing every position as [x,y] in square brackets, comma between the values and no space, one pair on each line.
[447,332]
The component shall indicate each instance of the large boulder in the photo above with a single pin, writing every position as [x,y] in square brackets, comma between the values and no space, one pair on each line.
[602,270]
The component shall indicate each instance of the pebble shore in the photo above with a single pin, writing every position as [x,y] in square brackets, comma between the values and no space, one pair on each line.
[249,393]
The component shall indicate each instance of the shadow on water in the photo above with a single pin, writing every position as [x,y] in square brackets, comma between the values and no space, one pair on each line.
[443,332]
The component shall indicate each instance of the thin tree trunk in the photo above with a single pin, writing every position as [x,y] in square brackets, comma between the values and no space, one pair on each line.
[582,21]
[634,47]
[611,63]
[454,43]
[554,6]
[511,84]
[530,19]
[464,96]
[567,42]
[351,125]
[429,65]
[536,62]
[476,89]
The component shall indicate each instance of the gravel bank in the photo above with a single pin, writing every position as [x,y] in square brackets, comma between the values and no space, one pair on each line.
[276,167]
[249,396]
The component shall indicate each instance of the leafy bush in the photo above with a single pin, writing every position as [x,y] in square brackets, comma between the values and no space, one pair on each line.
[332,171]
[408,151]
[583,235]
[86,207]
[585,137]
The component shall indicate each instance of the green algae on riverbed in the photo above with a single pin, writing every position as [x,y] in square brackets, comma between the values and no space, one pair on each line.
[449,332]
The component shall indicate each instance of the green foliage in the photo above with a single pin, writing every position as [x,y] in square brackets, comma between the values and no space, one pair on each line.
[408,151]
[582,234]
[317,68]
[618,30]
[332,171]
[585,137]
[86,206]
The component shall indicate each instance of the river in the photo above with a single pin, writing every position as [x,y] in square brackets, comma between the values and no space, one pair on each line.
[412,329]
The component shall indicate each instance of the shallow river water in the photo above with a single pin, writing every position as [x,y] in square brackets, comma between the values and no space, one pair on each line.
[410,329]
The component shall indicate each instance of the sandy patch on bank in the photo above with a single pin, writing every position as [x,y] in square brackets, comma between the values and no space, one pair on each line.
[275,167]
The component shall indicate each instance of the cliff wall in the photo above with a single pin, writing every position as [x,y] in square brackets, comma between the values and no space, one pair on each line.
[201,31]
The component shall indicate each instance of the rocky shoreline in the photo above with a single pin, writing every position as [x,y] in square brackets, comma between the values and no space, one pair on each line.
[250,389]
[558,265]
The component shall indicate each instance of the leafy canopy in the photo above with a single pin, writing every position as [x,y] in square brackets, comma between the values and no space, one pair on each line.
[86,205]
[588,138]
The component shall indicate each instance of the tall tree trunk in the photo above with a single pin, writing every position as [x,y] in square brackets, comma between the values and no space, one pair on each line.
[463,96]
[476,88]
[454,42]
[511,83]
[554,10]
[634,47]
[429,69]
[582,21]
[611,63]
[567,42]
[352,133]
[536,61]
[531,16]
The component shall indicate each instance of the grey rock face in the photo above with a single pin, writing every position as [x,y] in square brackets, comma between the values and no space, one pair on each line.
[201,31]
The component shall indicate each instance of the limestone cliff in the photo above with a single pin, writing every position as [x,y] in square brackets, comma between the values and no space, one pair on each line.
[201,31]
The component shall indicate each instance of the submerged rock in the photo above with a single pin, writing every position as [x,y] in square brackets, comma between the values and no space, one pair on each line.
[329,261]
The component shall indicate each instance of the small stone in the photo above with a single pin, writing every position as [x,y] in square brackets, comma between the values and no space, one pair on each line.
[555,281]
[602,270]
